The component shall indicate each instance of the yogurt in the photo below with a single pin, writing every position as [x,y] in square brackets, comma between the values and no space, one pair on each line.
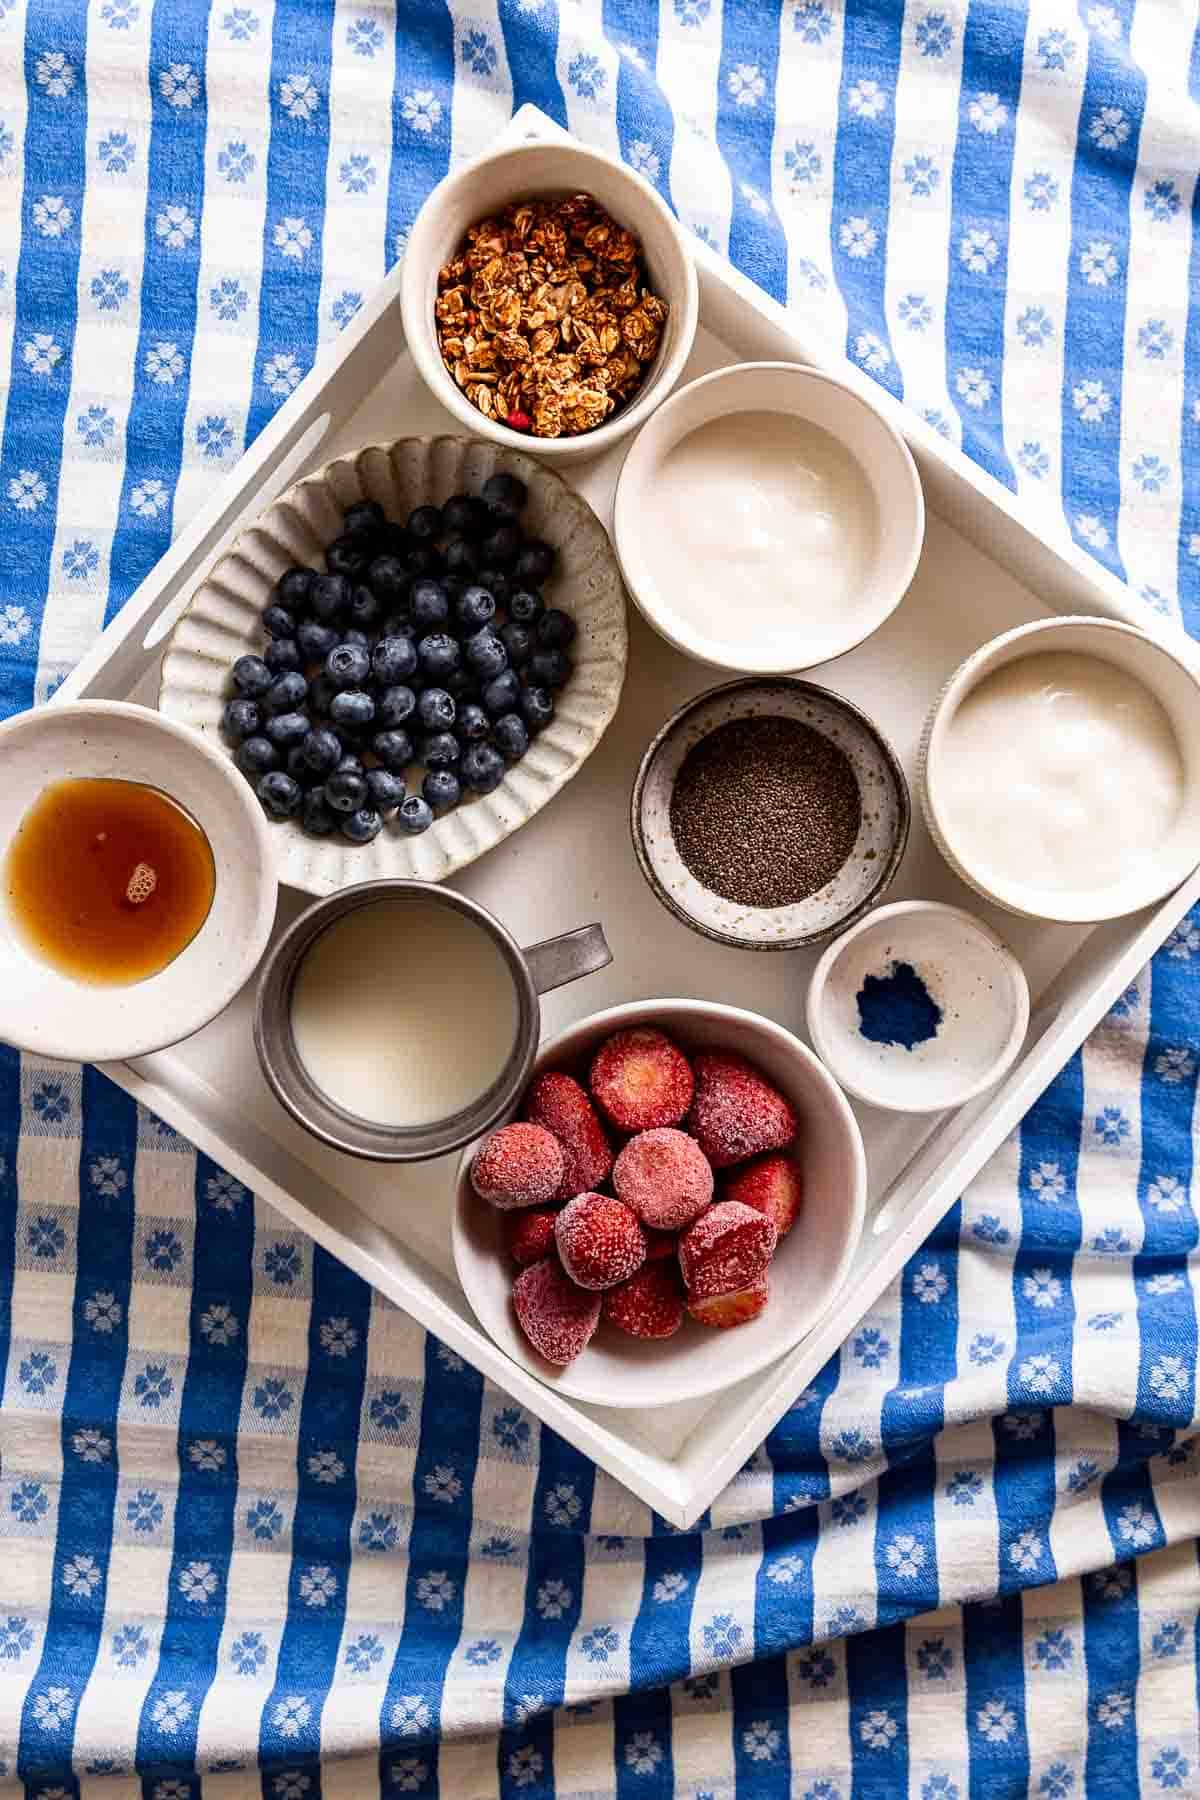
[404,1013]
[1059,771]
[763,525]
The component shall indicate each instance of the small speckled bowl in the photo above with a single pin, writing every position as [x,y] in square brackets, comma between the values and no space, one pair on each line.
[970,975]
[860,881]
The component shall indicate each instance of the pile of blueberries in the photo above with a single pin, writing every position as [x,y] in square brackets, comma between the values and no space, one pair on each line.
[423,643]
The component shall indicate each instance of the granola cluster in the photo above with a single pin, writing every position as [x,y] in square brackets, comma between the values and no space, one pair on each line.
[544,319]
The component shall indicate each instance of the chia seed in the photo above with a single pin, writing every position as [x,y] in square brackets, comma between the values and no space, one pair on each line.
[765,811]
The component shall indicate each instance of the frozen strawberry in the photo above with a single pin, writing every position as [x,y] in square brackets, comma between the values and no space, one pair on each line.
[666,1178]
[641,1080]
[529,1234]
[660,1244]
[519,1165]
[649,1305]
[772,1186]
[727,1248]
[727,1310]
[557,1317]
[561,1106]
[736,1112]
[599,1240]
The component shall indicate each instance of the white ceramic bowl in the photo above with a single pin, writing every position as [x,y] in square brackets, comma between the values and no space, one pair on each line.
[969,974]
[823,401]
[54,1015]
[485,186]
[1173,684]
[222,622]
[809,1266]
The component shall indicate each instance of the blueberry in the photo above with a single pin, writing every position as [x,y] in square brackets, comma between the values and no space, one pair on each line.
[394,750]
[440,751]
[518,641]
[346,556]
[511,736]
[346,790]
[352,635]
[504,491]
[465,515]
[462,558]
[285,693]
[441,789]
[320,694]
[473,725]
[240,719]
[352,709]
[251,676]
[436,710]
[537,707]
[315,640]
[388,578]
[363,519]
[476,608]
[428,603]
[482,768]
[329,598]
[299,770]
[393,660]
[292,589]
[453,586]
[497,584]
[386,790]
[278,621]
[525,606]
[501,545]
[287,729]
[280,795]
[322,751]
[256,755]
[394,705]
[424,524]
[501,694]
[414,816]
[533,564]
[393,541]
[366,609]
[463,684]
[282,656]
[316,815]
[397,624]
[438,655]
[550,668]
[347,665]
[486,653]
[350,765]
[362,825]
[555,629]
[423,559]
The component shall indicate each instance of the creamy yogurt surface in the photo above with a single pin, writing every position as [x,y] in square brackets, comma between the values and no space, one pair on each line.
[404,1012]
[761,526]
[1059,771]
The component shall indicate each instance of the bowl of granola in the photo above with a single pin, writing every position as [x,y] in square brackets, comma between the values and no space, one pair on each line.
[549,299]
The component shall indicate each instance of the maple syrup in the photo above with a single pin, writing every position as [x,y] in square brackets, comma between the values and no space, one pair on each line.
[107,881]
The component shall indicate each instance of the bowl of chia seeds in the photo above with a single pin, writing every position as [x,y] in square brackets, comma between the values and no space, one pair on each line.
[769,814]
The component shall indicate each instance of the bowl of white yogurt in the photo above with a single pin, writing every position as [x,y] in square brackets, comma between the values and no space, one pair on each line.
[1060,770]
[767,518]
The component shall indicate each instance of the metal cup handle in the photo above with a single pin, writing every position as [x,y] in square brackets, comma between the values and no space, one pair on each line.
[557,960]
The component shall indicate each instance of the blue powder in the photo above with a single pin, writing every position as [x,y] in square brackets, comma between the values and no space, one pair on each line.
[898,1008]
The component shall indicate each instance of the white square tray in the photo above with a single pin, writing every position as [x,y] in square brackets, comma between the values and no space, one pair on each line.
[985,568]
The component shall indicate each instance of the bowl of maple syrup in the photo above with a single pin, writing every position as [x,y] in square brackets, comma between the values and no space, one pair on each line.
[137,883]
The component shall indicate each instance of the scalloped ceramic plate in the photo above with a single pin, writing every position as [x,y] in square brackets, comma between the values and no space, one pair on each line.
[222,623]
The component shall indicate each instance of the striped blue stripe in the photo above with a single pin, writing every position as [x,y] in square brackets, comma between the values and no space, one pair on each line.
[1189,436]
[645,126]
[859,225]
[327,1443]
[531,44]
[993,1665]
[103,1253]
[10,1128]
[1112,1658]
[794,1446]
[993,49]
[207,1497]
[756,239]
[420,113]
[45,283]
[174,199]
[658,1653]
[877,1682]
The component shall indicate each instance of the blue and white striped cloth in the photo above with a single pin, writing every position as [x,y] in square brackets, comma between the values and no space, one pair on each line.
[260,1534]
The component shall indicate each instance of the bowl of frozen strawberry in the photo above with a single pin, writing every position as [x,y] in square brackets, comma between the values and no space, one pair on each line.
[675,1204]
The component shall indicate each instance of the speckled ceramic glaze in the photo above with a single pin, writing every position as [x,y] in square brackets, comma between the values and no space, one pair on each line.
[222,623]
[867,871]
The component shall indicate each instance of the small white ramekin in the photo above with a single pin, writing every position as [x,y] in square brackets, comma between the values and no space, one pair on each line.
[821,400]
[1172,683]
[483,187]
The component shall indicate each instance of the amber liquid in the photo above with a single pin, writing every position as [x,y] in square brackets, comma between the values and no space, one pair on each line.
[83,855]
